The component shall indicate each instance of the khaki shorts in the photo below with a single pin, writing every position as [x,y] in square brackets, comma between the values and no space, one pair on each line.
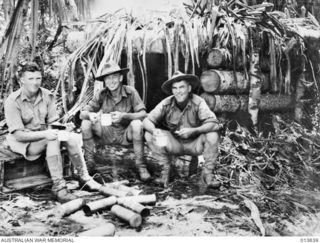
[175,146]
[20,147]
[114,135]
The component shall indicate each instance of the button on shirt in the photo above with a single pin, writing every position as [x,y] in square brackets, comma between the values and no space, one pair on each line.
[23,114]
[196,113]
[130,102]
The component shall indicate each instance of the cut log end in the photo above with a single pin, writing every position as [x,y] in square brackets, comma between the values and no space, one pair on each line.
[216,57]
[210,81]
[209,99]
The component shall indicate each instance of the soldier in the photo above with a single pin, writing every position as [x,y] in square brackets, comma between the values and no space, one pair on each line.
[125,108]
[189,127]
[30,112]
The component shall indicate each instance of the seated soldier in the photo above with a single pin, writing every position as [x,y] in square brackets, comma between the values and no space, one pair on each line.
[190,127]
[126,109]
[29,112]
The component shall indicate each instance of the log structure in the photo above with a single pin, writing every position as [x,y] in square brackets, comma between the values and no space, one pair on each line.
[234,103]
[223,82]
[218,57]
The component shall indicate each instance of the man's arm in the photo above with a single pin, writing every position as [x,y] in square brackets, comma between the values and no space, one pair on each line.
[33,136]
[149,125]
[135,115]
[154,117]
[93,106]
[207,127]
[209,123]
[204,128]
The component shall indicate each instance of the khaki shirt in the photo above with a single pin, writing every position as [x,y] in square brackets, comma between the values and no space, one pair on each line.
[130,102]
[22,114]
[168,115]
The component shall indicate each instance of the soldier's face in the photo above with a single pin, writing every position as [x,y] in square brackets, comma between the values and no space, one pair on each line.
[181,90]
[113,81]
[31,81]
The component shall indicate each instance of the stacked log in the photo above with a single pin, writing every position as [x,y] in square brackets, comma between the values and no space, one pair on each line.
[235,103]
[229,91]
[222,82]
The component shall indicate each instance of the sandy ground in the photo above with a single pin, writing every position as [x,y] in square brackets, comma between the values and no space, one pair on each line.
[181,210]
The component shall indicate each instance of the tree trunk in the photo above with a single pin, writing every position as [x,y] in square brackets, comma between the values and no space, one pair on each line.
[222,82]
[298,112]
[233,103]
[255,83]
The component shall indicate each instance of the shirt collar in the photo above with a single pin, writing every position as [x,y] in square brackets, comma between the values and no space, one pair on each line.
[39,96]
[174,105]
[122,91]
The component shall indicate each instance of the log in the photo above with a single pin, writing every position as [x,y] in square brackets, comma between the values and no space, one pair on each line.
[232,103]
[217,57]
[223,82]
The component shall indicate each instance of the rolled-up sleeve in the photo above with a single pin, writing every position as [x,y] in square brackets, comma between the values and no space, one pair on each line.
[52,110]
[137,102]
[205,114]
[13,116]
[93,105]
[157,113]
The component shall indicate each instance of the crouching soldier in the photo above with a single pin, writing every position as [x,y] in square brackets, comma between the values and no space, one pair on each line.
[190,127]
[29,112]
[114,116]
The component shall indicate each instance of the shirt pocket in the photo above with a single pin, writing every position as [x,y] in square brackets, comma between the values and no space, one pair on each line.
[193,119]
[43,113]
[172,120]
[26,117]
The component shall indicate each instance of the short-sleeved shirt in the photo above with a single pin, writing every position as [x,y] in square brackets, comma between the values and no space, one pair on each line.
[170,117]
[130,102]
[23,114]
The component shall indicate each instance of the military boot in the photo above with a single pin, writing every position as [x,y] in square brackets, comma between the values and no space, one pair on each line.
[207,176]
[79,163]
[89,151]
[138,148]
[59,188]
[163,180]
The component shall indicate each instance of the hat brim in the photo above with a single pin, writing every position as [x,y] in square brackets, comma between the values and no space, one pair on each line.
[122,71]
[193,80]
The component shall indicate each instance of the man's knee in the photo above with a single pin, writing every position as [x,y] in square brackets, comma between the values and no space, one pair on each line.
[212,138]
[86,125]
[148,136]
[74,140]
[136,127]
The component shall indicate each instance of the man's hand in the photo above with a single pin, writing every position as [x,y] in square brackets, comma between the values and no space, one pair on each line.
[70,126]
[51,134]
[94,117]
[117,116]
[185,132]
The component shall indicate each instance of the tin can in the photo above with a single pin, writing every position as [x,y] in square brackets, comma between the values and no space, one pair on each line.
[127,215]
[107,229]
[97,205]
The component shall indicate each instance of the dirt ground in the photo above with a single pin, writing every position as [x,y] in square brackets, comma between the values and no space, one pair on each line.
[183,209]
